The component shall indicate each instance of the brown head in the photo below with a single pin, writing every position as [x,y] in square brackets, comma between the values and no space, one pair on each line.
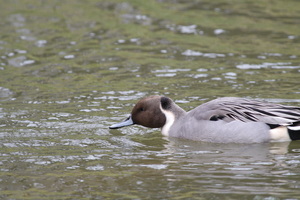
[147,112]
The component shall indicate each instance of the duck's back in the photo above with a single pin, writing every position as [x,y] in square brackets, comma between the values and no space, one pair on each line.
[246,110]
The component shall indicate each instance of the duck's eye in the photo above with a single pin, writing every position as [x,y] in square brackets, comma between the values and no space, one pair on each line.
[142,109]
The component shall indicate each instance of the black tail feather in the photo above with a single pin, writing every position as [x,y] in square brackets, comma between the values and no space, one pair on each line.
[294,131]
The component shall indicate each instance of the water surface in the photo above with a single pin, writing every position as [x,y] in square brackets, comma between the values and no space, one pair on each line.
[70,69]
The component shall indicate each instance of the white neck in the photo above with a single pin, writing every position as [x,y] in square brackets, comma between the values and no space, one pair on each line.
[170,118]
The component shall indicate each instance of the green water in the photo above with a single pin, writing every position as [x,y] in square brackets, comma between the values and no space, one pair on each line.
[69,69]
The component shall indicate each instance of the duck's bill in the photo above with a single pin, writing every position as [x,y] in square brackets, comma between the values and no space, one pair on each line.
[127,122]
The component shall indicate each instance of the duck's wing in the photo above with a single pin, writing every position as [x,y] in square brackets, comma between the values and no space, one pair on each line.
[246,110]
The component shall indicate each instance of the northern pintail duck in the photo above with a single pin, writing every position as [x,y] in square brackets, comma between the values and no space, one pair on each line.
[223,120]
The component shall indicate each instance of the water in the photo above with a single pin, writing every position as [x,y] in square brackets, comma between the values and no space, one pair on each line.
[68,70]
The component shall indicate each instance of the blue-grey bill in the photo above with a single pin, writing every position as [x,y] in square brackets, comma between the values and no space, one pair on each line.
[127,122]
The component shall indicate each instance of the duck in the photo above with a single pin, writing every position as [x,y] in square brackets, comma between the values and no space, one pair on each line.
[222,120]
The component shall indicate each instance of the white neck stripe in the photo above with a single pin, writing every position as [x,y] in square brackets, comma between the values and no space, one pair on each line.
[170,118]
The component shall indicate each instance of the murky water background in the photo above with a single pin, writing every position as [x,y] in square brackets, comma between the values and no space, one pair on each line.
[69,69]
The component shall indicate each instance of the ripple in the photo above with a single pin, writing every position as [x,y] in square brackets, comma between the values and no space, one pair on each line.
[91,110]
[17,61]
[5,92]
[41,43]
[239,168]
[168,72]
[214,55]
[95,168]
[191,29]
[293,161]
[155,166]
[230,75]
[280,65]
[126,142]
[166,75]
[207,55]
[184,29]
[120,95]
[20,51]
[219,31]
[17,20]
[62,102]
[73,167]
[207,152]
[198,75]
[189,52]
[68,57]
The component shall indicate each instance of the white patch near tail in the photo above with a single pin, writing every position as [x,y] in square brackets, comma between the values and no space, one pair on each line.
[279,134]
[170,118]
[294,128]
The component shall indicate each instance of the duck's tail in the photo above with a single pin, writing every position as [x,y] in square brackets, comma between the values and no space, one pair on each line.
[294,131]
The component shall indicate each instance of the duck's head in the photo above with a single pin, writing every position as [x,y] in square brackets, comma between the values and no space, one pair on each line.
[148,112]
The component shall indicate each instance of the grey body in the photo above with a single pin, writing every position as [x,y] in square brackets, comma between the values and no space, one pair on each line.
[222,120]
[220,131]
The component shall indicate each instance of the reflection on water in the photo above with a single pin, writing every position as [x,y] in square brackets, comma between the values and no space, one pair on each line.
[66,76]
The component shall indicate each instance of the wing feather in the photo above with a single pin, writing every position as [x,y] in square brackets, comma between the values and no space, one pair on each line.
[246,110]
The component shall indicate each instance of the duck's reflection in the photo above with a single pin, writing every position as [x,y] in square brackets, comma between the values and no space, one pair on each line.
[224,153]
